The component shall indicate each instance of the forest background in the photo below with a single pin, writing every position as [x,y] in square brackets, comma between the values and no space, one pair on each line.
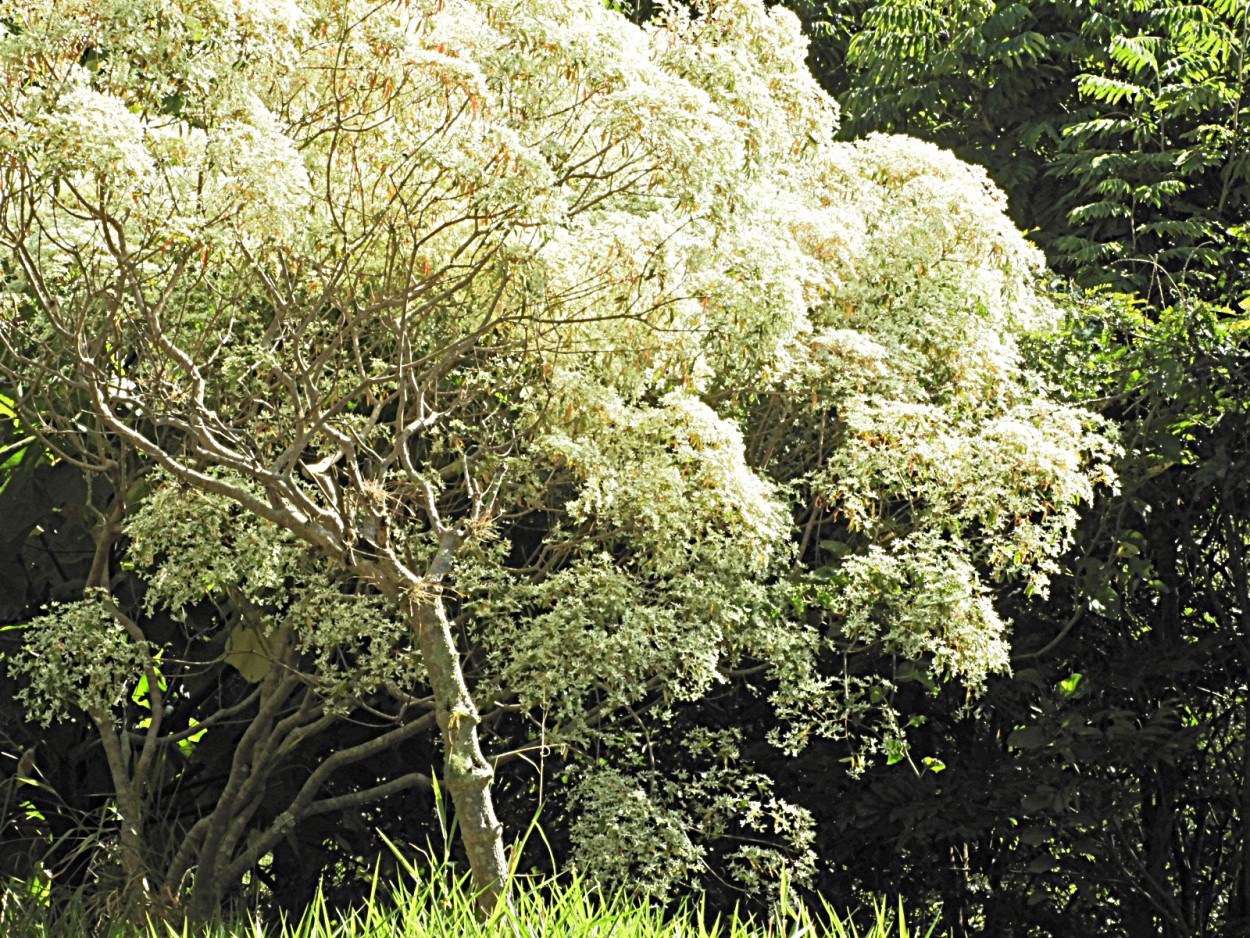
[1098,786]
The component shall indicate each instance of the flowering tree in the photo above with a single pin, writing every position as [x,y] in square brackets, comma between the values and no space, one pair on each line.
[502,355]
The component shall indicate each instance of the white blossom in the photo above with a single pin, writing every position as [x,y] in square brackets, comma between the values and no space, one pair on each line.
[77,657]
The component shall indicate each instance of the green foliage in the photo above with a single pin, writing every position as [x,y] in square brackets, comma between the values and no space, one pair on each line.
[1095,787]
[1118,130]
[1093,790]
[1155,727]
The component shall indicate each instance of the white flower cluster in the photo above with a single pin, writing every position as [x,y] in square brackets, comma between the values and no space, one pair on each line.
[1005,488]
[621,834]
[194,547]
[77,657]
[654,831]
[923,600]
[752,62]
[671,476]
[95,133]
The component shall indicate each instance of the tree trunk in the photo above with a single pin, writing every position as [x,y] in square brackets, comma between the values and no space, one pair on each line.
[467,774]
[130,814]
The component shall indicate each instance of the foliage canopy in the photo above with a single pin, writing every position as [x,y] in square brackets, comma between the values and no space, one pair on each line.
[452,361]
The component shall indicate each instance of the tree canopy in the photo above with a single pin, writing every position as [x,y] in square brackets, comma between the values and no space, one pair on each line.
[449,362]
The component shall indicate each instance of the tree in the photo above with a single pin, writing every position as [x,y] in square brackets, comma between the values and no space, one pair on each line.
[546,364]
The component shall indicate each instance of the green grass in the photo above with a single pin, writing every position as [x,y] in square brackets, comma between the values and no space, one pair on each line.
[431,903]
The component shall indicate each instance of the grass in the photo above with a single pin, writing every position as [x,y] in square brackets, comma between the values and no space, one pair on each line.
[432,903]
